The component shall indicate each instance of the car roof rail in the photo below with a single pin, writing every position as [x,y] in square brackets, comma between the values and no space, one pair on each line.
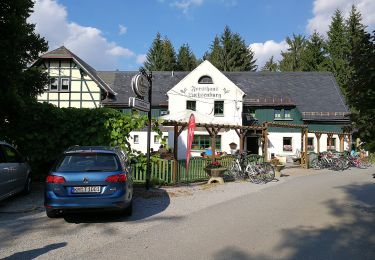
[73,147]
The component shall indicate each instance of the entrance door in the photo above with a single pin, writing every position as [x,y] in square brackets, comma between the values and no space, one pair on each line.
[252,146]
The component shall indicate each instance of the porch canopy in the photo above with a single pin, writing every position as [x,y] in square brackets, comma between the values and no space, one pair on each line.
[304,138]
[180,121]
[209,122]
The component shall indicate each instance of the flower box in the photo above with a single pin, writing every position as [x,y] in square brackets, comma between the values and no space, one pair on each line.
[215,172]
[287,148]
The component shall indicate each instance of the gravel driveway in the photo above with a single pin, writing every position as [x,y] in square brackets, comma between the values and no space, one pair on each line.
[26,232]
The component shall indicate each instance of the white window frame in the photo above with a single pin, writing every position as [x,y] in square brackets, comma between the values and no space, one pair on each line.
[287,145]
[55,82]
[61,84]
[136,139]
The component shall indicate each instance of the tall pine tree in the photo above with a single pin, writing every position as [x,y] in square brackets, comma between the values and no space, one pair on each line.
[313,58]
[270,65]
[229,52]
[214,55]
[154,61]
[169,56]
[291,59]
[355,32]
[361,89]
[337,48]
[186,60]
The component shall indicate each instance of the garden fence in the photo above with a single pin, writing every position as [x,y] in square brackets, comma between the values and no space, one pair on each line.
[162,170]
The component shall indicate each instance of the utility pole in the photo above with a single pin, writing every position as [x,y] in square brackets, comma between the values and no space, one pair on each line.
[148,169]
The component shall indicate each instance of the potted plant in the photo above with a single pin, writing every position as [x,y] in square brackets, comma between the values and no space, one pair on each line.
[278,166]
[214,169]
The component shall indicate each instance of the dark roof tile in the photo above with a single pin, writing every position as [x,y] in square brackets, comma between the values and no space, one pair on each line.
[309,91]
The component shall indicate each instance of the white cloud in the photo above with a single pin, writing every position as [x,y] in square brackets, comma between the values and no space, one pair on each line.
[88,43]
[141,58]
[185,5]
[120,51]
[122,29]
[324,9]
[264,51]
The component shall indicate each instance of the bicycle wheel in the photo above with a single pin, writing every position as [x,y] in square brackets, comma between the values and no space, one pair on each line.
[346,163]
[337,165]
[254,175]
[361,165]
[268,172]
[316,164]
[235,171]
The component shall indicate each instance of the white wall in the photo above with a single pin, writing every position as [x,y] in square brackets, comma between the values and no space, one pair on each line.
[275,143]
[226,139]
[205,94]
[142,144]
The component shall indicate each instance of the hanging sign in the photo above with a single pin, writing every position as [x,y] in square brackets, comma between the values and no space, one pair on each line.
[190,137]
[139,104]
[140,85]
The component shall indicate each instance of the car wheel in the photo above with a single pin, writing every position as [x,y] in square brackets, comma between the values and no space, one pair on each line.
[129,210]
[27,188]
[53,213]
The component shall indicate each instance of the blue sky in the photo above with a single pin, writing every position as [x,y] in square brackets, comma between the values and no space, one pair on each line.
[117,34]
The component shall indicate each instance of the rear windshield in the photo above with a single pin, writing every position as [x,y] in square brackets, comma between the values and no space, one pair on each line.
[88,162]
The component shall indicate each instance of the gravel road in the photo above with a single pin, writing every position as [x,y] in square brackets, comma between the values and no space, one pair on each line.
[175,221]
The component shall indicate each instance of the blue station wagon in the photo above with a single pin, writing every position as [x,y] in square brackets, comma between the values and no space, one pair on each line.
[89,178]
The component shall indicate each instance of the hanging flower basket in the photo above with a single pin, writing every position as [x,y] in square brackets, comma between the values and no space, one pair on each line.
[233,146]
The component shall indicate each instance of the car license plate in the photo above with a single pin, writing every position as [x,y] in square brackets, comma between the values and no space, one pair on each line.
[86,189]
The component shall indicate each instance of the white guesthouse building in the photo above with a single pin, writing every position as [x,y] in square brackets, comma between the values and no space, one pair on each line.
[235,98]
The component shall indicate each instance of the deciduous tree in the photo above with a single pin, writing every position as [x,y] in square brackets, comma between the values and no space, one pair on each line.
[20,46]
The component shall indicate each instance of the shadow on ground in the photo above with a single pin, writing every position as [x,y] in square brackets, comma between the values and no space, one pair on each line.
[145,205]
[34,253]
[16,222]
[352,238]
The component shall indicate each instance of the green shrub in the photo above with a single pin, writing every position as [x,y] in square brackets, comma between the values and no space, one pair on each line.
[42,131]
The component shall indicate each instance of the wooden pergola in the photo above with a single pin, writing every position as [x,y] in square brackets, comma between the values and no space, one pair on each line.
[304,138]
[259,130]
[341,135]
[213,130]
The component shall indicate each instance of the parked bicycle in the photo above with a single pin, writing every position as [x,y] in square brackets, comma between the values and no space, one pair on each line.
[330,161]
[260,172]
[240,169]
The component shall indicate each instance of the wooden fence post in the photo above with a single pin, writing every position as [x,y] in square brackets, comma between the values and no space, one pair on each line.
[341,137]
[318,135]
